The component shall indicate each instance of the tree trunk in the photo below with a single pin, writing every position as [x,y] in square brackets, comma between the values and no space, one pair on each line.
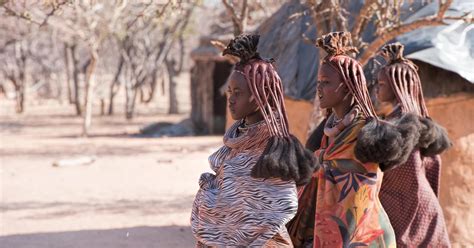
[173,99]
[134,100]
[102,106]
[89,93]
[20,98]
[130,99]
[2,90]
[114,87]
[113,91]
[75,77]
[173,108]
[68,74]
[19,81]
[147,97]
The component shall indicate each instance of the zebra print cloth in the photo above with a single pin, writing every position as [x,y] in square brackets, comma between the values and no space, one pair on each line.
[232,208]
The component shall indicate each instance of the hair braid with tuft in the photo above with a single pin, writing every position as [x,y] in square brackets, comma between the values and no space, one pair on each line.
[337,45]
[404,80]
[284,156]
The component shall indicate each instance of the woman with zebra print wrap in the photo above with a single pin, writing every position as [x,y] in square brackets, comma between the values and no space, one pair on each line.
[252,194]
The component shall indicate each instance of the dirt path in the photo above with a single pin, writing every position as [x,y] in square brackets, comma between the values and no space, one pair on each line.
[138,192]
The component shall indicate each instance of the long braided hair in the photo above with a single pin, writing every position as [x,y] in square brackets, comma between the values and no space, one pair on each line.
[378,141]
[263,80]
[390,143]
[403,79]
[284,157]
[337,45]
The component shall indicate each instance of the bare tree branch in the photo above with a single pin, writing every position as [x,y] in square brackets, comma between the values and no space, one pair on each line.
[27,16]
[443,7]
[384,37]
[24,16]
[361,20]
[239,22]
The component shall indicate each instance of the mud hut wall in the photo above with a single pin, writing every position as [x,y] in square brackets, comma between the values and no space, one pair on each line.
[456,114]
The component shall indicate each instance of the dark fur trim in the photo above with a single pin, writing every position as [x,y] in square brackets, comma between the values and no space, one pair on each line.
[388,144]
[433,138]
[285,158]
[270,161]
[314,141]
[306,162]
[391,143]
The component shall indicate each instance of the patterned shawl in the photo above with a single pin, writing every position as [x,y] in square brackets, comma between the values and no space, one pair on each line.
[232,208]
[340,206]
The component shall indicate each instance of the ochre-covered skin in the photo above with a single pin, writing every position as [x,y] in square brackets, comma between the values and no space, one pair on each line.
[409,192]
[339,207]
[402,77]
[252,194]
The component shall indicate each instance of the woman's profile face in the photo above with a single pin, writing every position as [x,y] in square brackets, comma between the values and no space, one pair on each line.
[239,97]
[329,81]
[384,90]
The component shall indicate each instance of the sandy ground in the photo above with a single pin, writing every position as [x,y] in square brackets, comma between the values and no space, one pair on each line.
[138,193]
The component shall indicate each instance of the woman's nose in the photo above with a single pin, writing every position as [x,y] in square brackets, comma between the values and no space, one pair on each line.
[318,86]
[231,99]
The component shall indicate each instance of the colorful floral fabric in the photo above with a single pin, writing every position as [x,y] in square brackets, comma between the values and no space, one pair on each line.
[340,206]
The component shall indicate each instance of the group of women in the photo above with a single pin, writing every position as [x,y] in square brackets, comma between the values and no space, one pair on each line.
[361,180]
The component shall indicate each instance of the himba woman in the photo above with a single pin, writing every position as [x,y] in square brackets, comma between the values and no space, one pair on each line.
[409,192]
[340,206]
[252,194]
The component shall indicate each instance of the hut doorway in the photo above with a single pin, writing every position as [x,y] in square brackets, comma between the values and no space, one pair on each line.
[208,75]
[221,72]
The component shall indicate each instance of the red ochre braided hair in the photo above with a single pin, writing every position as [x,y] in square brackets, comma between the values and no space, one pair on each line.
[337,45]
[284,157]
[381,142]
[404,80]
[263,81]
[387,143]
